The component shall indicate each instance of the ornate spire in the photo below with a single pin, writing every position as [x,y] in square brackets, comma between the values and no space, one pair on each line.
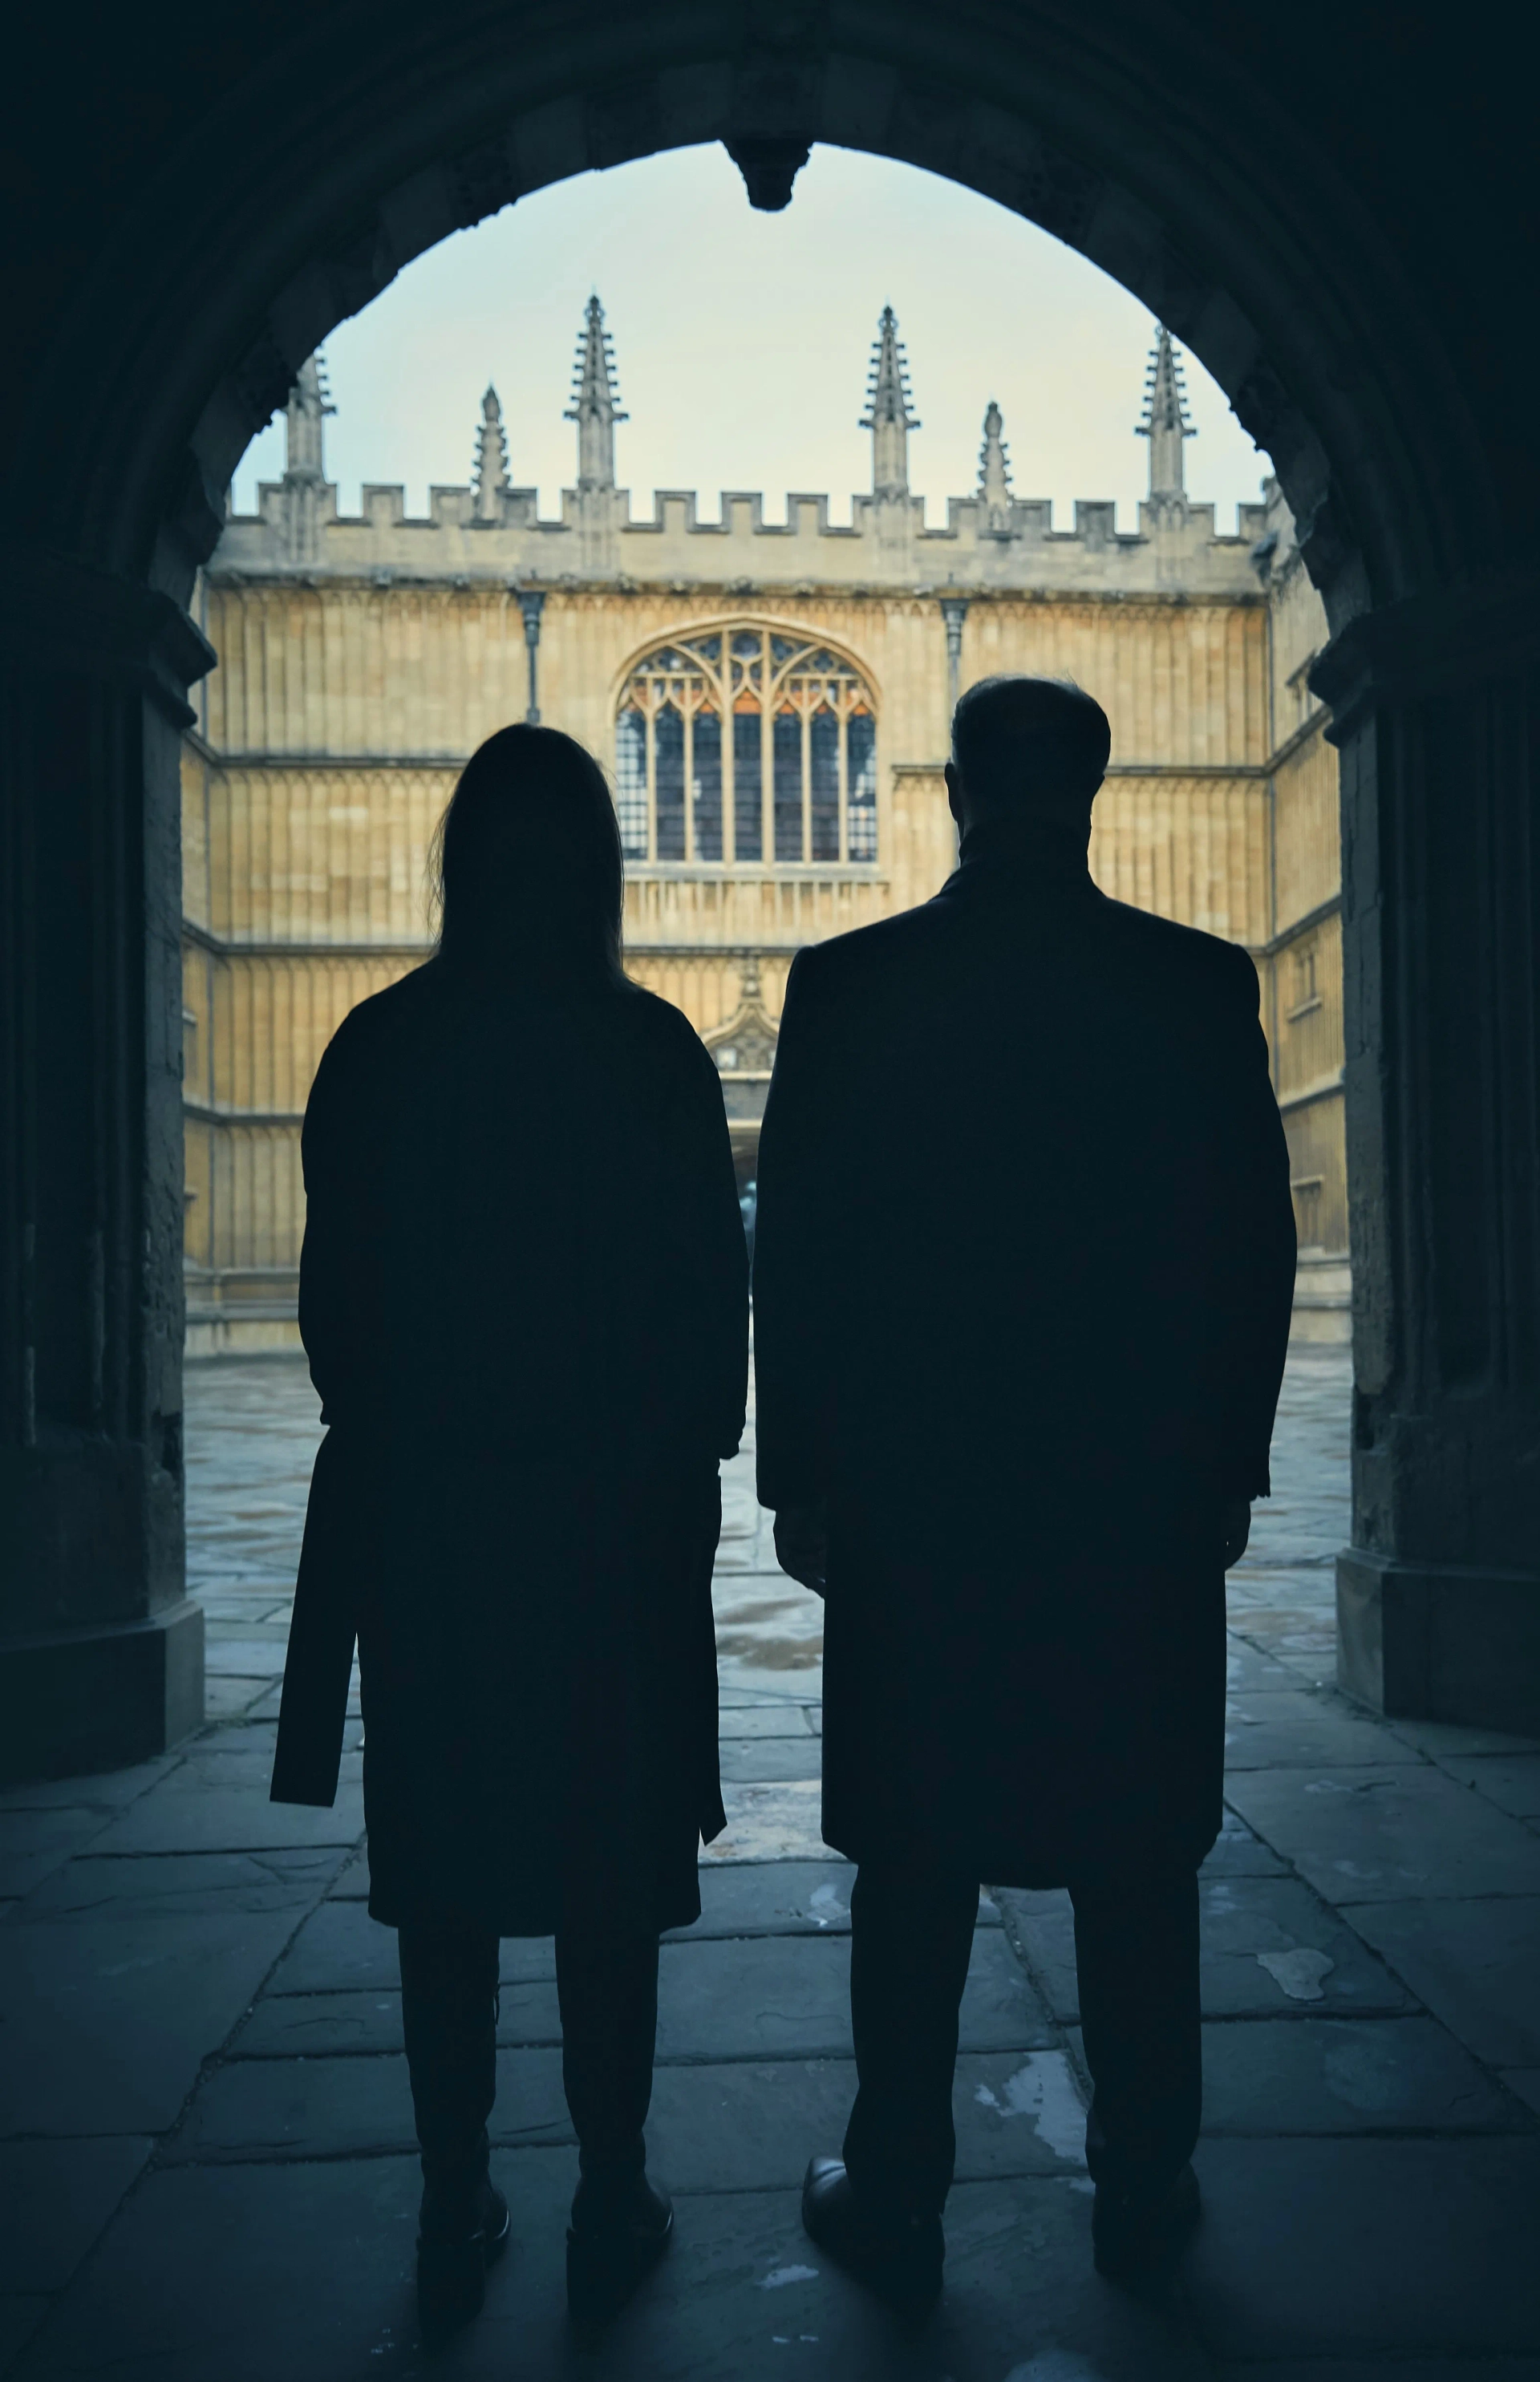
[994,468]
[308,403]
[491,480]
[1166,424]
[888,416]
[596,403]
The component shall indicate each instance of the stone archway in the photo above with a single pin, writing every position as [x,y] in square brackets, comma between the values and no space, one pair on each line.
[210,255]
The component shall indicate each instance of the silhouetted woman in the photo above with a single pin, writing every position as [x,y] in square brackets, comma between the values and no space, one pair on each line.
[523,1299]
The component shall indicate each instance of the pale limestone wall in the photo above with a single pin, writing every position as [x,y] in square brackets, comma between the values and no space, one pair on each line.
[1302,977]
[341,711]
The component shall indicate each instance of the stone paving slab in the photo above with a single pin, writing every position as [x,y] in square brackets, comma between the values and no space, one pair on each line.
[1348,2076]
[340,1948]
[182,2288]
[771,1758]
[348,2107]
[789,1997]
[1239,1852]
[1293,1730]
[1302,1642]
[730,2127]
[771,1822]
[246,1657]
[770,1898]
[309,2026]
[1330,2248]
[224,1699]
[107,2022]
[1247,1671]
[1511,1780]
[764,1720]
[1388,1835]
[1476,1964]
[197,1810]
[34,1844]
[1439,1739]
[1269,1949]
[58,2196]
[352,1878]
[143,1886]
[106,1791]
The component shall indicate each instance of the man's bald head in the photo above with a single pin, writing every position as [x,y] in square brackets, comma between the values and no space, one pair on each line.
[1028,748]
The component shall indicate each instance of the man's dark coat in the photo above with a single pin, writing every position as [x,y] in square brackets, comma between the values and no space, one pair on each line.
[524,1302]
[1023,1273]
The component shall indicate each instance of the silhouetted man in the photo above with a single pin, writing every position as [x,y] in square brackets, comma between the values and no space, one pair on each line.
[1023,1276]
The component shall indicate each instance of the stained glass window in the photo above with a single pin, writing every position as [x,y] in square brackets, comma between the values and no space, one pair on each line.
[787,781]
[706,785]
[823,771]
[861,777]
[805,792]
[748,797]
[631,781]
[668,763]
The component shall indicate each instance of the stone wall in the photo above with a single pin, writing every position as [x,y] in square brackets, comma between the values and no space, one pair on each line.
[345,702]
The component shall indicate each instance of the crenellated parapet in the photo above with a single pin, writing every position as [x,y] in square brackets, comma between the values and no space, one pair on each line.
[992,541]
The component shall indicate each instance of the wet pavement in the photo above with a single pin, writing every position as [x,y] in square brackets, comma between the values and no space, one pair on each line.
[205,2135]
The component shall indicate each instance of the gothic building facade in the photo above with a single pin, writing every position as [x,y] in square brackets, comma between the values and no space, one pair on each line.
[772,701]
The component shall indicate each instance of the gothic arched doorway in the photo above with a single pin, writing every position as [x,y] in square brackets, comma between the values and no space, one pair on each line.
[201,221]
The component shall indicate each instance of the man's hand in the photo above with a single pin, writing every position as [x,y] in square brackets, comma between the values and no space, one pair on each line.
[1235,1524]
[802,1543]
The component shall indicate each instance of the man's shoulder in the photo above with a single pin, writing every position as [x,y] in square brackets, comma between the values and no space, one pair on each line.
[864,955]
[1182,954]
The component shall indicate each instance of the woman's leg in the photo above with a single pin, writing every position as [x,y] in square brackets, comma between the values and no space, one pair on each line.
[608,1988]
[450,2018]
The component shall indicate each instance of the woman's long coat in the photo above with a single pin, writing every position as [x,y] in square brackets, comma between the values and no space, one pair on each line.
[524,1298]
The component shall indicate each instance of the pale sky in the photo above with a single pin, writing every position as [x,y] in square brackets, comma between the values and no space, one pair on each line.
[742,340]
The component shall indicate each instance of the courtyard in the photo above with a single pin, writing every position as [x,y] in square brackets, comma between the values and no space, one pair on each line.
[205,2130]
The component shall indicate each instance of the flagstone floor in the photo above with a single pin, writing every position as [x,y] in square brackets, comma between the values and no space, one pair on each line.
[206,2136]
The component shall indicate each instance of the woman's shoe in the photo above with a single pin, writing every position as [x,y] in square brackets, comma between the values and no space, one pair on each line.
[616,2235]
[453,2261]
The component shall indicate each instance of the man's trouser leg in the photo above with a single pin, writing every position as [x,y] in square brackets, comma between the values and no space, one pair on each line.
[607,1989]
[911,1936]
[1135,1949]
[450,2020]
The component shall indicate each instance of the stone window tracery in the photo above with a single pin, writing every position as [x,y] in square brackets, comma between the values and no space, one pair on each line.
[697,776]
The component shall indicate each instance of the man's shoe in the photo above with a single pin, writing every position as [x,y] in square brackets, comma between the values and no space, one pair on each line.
[1137,2230]
[898,2257]
[616,2235]
[452,2259]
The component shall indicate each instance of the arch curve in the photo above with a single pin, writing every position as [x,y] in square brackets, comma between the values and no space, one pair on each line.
[1137,144]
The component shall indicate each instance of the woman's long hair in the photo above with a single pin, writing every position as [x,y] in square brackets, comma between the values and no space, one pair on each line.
[524,869]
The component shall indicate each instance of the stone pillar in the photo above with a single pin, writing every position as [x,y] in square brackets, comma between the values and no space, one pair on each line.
[1436,706]
[100,1653]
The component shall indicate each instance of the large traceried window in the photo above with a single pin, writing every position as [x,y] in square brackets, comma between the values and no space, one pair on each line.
[744,745]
